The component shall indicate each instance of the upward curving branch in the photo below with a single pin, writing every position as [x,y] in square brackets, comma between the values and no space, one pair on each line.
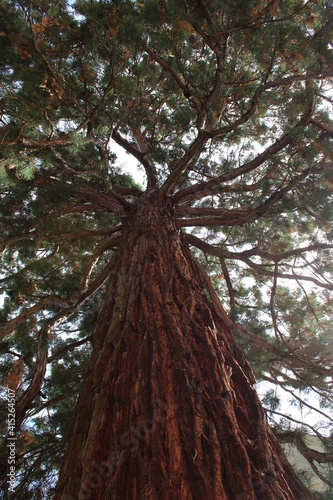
[223,217]
[141,155]
[193,151]
[262,270]
[203,189]
[110,201]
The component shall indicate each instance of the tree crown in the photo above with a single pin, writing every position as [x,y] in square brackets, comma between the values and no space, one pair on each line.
[225,108]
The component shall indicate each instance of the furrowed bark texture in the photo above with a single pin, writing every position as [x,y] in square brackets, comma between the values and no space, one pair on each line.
[168,408]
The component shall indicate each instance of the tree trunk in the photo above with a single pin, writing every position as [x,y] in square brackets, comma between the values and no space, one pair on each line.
[168,408]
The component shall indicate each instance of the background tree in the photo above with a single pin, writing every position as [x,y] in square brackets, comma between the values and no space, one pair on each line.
[225,107]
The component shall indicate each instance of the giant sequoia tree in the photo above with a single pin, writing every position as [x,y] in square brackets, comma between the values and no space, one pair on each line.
[147,300]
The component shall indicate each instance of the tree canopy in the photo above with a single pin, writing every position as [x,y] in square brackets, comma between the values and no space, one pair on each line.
[225,107]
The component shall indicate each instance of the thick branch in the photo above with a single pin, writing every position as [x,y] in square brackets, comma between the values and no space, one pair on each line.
[275,381]
[144,149]
[57,237]
[279,82]
[31,143]
[140,156]
[127,191]
[76,209]
[111,201]
[203,189]
[93,287]
[194,150]
[309,454]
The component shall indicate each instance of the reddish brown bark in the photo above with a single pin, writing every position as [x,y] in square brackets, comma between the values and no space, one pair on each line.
[168,408]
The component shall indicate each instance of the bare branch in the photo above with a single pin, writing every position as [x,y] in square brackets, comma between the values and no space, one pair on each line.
[144,149]
[210,187]
[279,82]
[287,276]
[275,380]
[140,156]
[67,348]
[288,417]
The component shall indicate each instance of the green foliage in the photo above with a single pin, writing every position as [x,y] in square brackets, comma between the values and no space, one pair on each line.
[250,78]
